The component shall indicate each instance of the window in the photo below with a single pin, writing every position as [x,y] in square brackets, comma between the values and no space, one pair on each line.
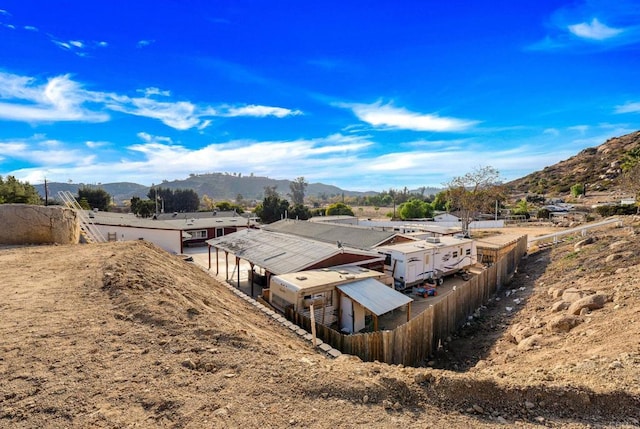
[201,233]
[468,252]
[219,232]
[426,259]
[455,254]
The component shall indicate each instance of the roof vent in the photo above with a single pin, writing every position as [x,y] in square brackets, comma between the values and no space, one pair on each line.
[350,277]
[301,278]
[433,240]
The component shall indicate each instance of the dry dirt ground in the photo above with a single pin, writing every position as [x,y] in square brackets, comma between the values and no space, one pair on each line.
[125,335]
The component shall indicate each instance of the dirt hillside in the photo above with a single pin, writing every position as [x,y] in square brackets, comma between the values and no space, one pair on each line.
[125,335]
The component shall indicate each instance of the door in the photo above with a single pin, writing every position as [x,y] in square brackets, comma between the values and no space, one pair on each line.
[346,314]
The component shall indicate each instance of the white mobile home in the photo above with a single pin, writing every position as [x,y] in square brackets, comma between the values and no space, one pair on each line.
[415,262]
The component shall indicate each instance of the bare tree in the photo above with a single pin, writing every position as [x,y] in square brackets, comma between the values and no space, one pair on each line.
[474,192]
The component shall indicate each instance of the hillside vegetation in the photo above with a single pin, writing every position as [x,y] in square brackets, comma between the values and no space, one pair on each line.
[598,167]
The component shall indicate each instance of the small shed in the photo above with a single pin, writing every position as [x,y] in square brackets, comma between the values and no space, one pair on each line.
[368,296]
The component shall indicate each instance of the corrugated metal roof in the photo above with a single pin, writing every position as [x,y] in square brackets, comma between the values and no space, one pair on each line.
[374,296]
[279,253]
[352,236]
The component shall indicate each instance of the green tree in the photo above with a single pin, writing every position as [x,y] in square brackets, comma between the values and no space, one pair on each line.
[414,209]
[297,188]
[13,191]
[271,209]
[96,198]
[337,209]
[299,211]
[577,190]
[522,209]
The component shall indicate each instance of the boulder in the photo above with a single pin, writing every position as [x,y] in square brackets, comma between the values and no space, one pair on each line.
[572,295]
[619,244]
[591,302]
[560,306]
[563,323]
[530,342]
[582,243]
[519,332]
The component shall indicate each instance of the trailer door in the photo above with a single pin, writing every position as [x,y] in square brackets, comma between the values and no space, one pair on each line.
[346,314]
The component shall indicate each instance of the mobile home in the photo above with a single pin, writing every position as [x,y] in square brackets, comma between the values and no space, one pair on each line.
[413,263]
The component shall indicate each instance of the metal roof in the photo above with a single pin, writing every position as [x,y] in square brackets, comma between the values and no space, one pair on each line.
[374,296]
[128,220]
[351,236]
[280,253]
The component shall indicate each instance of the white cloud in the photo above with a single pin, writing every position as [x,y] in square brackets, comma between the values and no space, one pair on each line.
[148,92]
[10,26]
[30,28]
[60,99]
[76,43]
[144,43]
[628,108]
[390,117]
[552,131]
[102,44]
[579,128]
[4,12]
[261,111]
[594,30]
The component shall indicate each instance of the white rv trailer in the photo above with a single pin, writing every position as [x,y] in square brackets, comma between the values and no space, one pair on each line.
[415,262]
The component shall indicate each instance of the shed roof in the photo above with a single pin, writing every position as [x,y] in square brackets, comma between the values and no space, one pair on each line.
[281,253]
[351,236]
[374,296]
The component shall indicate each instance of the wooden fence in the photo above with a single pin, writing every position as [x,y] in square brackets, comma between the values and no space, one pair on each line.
[412,343]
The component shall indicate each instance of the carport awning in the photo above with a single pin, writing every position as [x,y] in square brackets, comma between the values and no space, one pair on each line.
[376,297]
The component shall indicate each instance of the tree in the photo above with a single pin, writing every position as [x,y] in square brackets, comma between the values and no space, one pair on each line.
[297,187]
[337,209]
[522,209]
[270,191]
[12,191]
[178,200]
[577,189]
[300,212]
[474,192]
[96,198]
[271,209]
[415,209]
[208,203]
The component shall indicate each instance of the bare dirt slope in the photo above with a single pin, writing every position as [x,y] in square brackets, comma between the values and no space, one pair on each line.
[125,335]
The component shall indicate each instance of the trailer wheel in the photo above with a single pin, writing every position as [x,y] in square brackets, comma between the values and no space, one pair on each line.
[440,281]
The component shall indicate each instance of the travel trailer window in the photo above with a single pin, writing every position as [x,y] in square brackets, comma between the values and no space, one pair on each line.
[426,259]
[318,299]
[387,259]
[455,254]
[468,252]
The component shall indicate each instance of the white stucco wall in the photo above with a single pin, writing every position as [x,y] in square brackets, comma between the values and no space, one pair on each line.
[169,240]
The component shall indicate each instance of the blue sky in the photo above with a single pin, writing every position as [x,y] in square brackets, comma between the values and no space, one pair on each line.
[365,95]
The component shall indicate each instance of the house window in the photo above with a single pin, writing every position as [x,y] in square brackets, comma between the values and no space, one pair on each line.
[201,233]
[219,232]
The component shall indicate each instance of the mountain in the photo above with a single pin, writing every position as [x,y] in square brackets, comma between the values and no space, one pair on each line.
[219,186]
[597,167]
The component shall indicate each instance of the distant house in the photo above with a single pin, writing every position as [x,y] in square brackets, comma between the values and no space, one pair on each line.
[446,217]
[186,229]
